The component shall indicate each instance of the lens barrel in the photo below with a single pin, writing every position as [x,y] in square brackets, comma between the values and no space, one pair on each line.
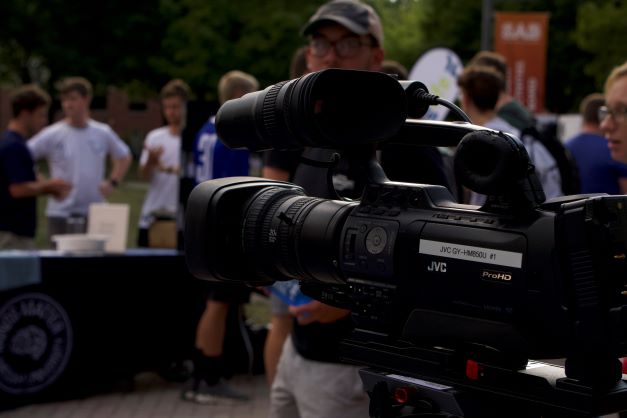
[331,108]
[289,235]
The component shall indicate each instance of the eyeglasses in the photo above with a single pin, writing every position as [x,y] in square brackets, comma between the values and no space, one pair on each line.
[617,114]
[344,48]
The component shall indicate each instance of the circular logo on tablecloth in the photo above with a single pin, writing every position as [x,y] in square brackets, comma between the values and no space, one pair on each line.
[35,343]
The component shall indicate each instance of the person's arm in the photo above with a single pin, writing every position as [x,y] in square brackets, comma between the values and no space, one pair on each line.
[316,311]
[119,167]
[274,173]
[622,184]
[56,187]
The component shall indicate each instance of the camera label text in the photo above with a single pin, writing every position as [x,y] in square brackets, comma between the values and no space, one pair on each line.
[471,253]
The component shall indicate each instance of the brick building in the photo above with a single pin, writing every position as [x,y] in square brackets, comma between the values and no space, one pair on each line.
[130,120]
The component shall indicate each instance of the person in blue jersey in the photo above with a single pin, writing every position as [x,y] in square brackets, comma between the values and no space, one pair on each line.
[212,159]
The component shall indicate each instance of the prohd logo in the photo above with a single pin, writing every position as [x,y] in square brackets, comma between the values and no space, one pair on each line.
[497,276]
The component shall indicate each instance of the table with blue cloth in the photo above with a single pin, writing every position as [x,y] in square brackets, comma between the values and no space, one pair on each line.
[72,322]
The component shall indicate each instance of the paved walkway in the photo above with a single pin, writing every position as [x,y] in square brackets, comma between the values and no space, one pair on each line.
[153,398]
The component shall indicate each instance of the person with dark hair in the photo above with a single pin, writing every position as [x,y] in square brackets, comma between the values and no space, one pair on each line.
[613,116]
[76,148]
[480,89]
[598,172]
[508,108]
[160,160]
[516,114]
[19,184]
[479,93]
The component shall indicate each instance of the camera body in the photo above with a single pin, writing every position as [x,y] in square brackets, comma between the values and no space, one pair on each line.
[413,265]
[431,283]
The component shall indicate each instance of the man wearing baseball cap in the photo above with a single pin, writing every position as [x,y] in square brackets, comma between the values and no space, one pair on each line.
[344,34]
[311,382]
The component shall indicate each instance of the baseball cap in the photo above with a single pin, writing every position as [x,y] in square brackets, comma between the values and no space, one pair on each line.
[355,16]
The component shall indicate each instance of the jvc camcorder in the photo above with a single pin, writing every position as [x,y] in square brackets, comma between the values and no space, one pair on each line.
[451,293]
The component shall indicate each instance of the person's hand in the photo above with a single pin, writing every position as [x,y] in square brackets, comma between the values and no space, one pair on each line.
[58,188]
[315,311]
[106,188]
[154,155]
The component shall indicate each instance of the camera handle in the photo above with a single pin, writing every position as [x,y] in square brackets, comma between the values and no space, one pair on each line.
[360,163]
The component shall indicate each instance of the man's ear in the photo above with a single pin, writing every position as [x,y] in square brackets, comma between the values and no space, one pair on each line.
[308,57]
[378,55]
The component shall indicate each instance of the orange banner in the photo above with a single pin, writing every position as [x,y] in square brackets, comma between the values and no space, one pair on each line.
[522,39]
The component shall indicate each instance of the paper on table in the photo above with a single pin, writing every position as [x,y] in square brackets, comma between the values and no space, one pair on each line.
[110,219]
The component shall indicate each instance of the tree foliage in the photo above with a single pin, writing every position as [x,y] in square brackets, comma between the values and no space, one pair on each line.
[138,45]
[456,24]
[401,26]
[107,42]
[601,32]
[206,39]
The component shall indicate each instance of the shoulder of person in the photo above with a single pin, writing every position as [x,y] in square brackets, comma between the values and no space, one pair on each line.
[209,127]
[157,133]
[50,131]
[100,126]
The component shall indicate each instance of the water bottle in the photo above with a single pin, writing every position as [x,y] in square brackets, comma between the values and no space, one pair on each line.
[290,293]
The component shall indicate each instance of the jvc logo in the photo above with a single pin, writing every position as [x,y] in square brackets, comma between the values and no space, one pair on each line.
[437,266]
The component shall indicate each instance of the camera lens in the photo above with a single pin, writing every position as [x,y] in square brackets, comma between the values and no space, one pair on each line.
[289,235]
[331,108]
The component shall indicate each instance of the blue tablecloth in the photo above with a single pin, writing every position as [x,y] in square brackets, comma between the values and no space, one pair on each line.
[19,268]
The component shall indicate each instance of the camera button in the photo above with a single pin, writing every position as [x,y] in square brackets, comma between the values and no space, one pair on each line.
[378,211]
[473,370]
[394,212]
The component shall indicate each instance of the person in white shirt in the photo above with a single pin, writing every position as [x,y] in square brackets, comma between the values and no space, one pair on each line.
[159,162]
[76,149]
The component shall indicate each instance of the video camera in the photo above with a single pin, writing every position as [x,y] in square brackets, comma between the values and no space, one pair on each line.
[457,295]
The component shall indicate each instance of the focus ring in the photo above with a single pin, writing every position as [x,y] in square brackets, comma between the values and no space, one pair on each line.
[269,113]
